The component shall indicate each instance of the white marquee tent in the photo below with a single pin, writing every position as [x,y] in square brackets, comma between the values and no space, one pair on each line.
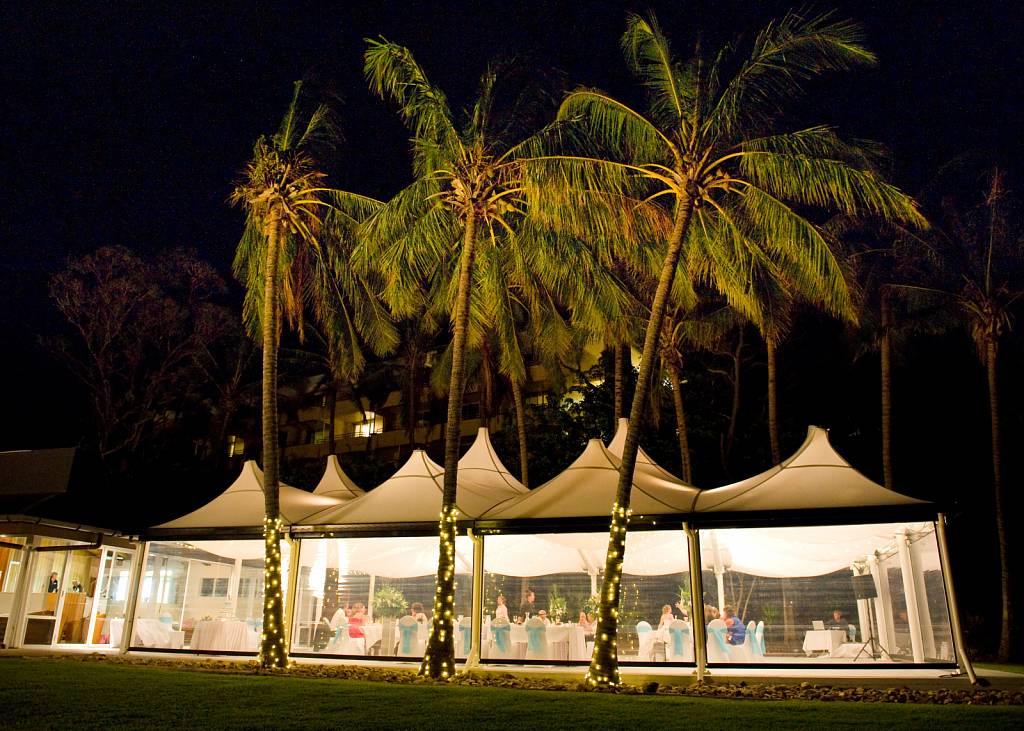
[242,504]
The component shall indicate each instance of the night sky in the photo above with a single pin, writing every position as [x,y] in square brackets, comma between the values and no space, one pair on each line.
[126,122]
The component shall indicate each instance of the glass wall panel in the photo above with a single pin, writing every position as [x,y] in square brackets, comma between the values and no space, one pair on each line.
[546,587]
[11,559]
[374,596]
[204,595]
[110,590]
[828,594]
[46,586]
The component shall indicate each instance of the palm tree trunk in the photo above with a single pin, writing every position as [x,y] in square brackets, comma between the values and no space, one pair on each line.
[1005,636]
[272,649]
[734,412]
[439,658]
[604,666]
[413,399]
[886,357]
[684,438]
[773,402]
[524,460]
[332,394]
[620,374]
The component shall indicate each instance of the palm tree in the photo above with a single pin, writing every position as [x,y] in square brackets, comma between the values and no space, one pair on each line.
[438,237]
[711,168]
[973,260]
[292,257]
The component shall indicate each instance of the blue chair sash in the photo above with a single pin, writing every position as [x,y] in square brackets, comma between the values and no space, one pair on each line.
[534,639]
[465,629]
[719,634]
[501,635]
[409,633]
[677,634]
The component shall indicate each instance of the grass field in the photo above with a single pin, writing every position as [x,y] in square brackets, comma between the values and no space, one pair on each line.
[1006,667]
[51,693]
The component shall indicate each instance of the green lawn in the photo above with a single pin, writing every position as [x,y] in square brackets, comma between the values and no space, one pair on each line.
[49,693]
[1006,667]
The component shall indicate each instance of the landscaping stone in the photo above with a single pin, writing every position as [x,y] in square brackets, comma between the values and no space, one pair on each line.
[709,689]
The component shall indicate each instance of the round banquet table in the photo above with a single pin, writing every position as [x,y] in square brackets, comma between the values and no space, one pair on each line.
[224,635]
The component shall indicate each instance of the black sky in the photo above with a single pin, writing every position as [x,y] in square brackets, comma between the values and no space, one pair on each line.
[126,122]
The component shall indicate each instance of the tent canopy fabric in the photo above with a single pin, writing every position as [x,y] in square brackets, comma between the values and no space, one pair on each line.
[814,477]
[587,488]
[336,484]
[242,504]
[644,463]
[803,551]
[413,494]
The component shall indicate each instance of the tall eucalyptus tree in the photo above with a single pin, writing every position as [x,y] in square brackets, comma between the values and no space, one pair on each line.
[713,166]
[293,258]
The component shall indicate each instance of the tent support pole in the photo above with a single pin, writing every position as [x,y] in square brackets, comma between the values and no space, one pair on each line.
[473,657]
[138,567]
[700,647]
[960,647]
[294,544]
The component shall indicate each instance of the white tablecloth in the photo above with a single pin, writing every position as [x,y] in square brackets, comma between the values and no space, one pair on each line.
[823,639]
[224,635]
[565,642]
[148,633]
[372,633]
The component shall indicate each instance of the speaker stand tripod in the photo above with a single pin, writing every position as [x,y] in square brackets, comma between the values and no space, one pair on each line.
[876,650]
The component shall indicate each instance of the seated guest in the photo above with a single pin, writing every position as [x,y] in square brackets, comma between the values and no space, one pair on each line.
[666,617]
[501,611]
[587,626]
[836,621]
[710,612]
[543,614]
[339,618]
[416,611]
[356,621]
[527,608]
[735,630]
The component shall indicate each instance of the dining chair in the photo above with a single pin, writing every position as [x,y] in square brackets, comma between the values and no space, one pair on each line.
[645,640]
[679,640]
[536,639]
[408,631]
[501,632]
[718,648]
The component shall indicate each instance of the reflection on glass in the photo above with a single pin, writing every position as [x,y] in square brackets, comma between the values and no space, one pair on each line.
[828,594]
[546,587]
[205,595]
[374,596]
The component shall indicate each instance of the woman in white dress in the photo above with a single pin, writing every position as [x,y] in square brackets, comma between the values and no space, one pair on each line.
[501,611]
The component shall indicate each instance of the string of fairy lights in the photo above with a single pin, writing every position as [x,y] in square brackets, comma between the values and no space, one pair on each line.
[272,641]
[604,669]
[439,658]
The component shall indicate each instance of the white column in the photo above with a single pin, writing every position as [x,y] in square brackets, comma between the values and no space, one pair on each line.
[236,576]
[917,548]
[719,569]
[369,602]
[15,633]
[886,633]
[593,584]
[910,594]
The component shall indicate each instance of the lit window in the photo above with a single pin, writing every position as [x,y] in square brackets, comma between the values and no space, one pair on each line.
[372,424]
